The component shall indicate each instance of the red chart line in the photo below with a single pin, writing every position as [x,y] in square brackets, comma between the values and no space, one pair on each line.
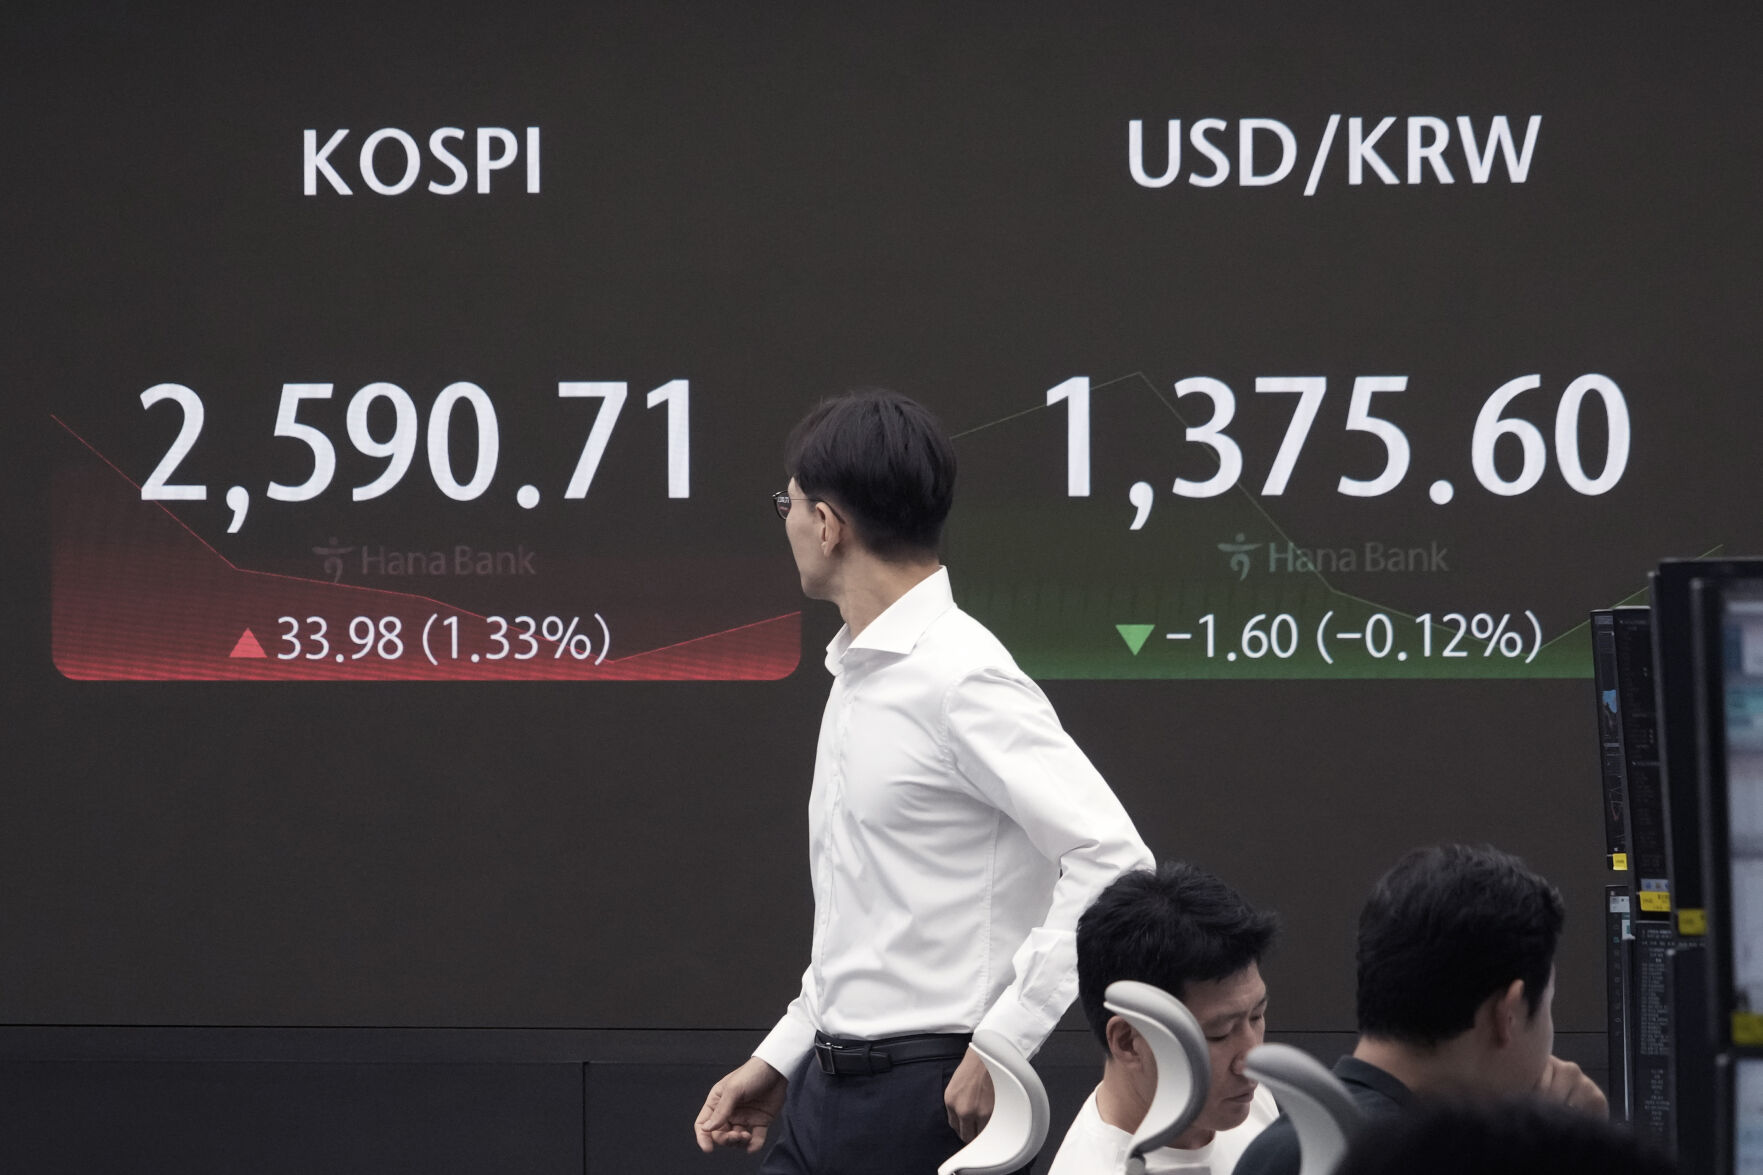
[325,583]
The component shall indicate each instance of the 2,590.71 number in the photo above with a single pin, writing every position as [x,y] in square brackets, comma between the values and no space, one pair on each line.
[399,448]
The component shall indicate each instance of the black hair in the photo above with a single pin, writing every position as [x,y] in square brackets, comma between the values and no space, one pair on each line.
[1513,1137]
[883,461]
[1168,927]
[1443,930]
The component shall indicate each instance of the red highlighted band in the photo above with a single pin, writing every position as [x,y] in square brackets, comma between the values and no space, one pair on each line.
[138,596]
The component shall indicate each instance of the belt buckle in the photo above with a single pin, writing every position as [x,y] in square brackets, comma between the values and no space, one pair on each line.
[827,1054]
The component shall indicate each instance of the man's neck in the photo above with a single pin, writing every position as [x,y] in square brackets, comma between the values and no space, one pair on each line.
[1120,1106]
[870,587]
[1432,1069]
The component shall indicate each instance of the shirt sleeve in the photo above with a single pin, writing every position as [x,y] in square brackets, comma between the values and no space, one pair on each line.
[791,1039]
[1009,746]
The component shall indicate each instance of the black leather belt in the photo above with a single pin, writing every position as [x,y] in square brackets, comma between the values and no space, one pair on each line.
[841,1056]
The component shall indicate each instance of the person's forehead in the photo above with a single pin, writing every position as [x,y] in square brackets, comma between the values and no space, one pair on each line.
[1235,994]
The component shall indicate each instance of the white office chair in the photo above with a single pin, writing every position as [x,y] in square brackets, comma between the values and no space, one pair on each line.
[1020,1116]
[1184,1064]
[1319,1105]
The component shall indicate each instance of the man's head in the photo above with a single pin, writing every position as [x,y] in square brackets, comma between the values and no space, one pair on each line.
[1183,930]
[1457,943]
[883,464]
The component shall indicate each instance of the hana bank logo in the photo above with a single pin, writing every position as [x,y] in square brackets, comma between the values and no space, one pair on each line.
[460,561]
[1239,556]
[1286,558]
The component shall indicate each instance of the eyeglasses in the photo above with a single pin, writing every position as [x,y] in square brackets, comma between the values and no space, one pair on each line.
[782,500]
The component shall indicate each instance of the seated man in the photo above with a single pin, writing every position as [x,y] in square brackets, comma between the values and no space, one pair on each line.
[1513,1137]
[1185,931]
[1456,979]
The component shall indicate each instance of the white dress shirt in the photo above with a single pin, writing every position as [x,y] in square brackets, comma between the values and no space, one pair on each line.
[1092,1147]
[955,833]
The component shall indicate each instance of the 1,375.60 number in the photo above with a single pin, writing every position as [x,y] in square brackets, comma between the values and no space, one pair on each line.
[1491,426]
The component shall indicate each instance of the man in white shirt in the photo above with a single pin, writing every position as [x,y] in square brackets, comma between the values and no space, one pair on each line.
[955,830]
[1183,930]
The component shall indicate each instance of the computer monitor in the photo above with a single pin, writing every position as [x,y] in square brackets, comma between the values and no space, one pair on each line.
[1674,683]
[1747,1116]
[1728,627]
[1730,616]
[1640,932]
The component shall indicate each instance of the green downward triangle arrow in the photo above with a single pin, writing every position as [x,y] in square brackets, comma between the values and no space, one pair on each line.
[1134,635]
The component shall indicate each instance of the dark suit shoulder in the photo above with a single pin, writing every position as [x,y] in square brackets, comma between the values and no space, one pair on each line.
[1377,1095]
[1274,1151]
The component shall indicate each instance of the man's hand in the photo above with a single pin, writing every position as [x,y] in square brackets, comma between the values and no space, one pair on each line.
[742,1106]
[968,1099]
[1566,1083]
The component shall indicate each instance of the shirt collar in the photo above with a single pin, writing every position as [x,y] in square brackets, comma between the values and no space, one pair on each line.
[1351,1069]
[900,624]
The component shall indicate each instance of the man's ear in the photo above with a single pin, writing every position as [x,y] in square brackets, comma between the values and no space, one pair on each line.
[1125,1045]
[832,531]
[1502,1014]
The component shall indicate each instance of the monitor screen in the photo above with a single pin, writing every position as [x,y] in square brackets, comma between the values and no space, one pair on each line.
[1674,680]
[1747,1118]
[1740,825]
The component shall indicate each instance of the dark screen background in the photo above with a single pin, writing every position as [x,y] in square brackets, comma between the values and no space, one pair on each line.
[777,202]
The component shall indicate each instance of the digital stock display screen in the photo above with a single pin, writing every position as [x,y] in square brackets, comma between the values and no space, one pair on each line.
[161,577]
[394,594]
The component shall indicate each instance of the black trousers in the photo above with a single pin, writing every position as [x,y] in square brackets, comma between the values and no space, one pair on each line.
[889,1123]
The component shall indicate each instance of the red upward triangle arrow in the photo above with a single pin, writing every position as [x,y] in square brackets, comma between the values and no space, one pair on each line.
[247,646]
